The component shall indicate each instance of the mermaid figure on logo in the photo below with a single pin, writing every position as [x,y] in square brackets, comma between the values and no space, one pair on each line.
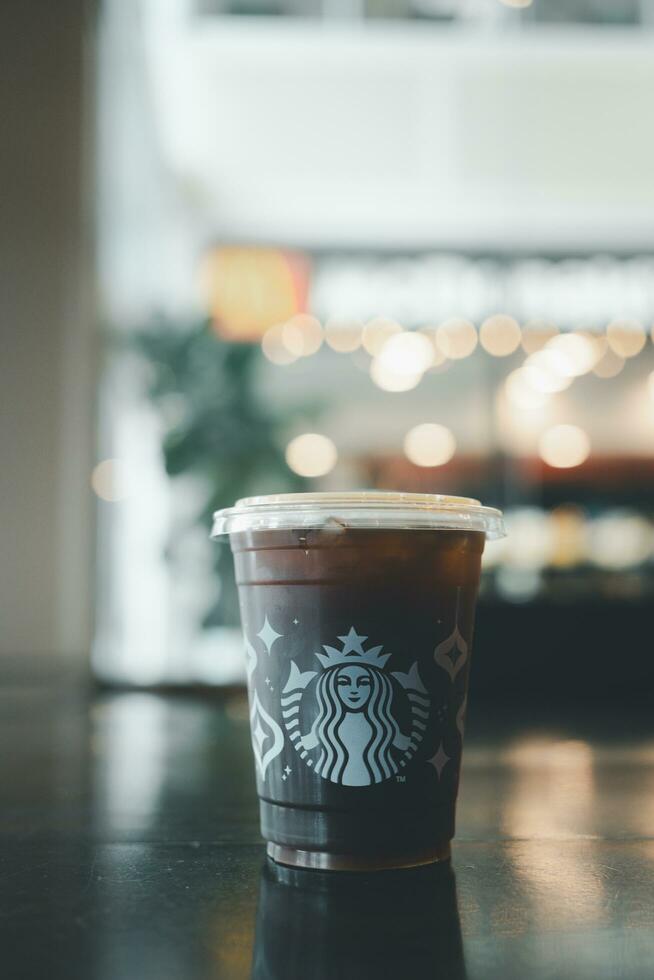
[355,727]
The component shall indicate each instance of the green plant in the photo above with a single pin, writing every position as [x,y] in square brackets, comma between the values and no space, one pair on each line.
[216,427]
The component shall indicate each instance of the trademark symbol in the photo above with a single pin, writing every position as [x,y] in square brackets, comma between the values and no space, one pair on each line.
[400,779]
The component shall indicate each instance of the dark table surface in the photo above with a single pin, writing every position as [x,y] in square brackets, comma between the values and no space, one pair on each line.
[129,850]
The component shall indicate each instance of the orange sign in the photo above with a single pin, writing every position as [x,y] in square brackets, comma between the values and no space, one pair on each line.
[247,290]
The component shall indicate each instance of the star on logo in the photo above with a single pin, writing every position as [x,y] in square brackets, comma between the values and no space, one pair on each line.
[440,760]
[452,653]
[410,680]
[268,635]
[296,621]
[353,642]
[260,735]
[288,770]
[265,730]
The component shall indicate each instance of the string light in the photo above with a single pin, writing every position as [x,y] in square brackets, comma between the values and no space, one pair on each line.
[609,365]
[376,332]
[500,335]
[546,371]
[311,455]
[564,446]
[536,334]
[406,353]
[388,379]
[292,340]
[343,336]
[577,354]
[521,394]
[429,444]
[302,335]
[438,358]
[274,347]
[456,338]
[598,341]
[626,337]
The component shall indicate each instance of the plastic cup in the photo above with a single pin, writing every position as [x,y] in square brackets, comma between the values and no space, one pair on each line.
[357,613]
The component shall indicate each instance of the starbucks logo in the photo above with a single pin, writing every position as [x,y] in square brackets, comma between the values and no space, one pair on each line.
[356,737]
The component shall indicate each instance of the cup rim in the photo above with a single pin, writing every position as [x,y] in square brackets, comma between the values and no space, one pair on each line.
[358,509]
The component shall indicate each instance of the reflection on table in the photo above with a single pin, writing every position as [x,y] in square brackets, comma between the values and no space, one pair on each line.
[322,925]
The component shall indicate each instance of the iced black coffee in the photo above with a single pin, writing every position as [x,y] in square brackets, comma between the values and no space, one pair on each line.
[357,614]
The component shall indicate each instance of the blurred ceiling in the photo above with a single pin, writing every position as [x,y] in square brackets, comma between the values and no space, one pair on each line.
[404,134]
[483,11]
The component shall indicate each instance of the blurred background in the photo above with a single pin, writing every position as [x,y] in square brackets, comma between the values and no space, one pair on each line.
[269,245]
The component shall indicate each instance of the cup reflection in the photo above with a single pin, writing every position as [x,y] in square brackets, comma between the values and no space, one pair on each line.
[387,924]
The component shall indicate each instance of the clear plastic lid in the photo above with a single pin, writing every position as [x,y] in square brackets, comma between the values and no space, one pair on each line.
[358,509]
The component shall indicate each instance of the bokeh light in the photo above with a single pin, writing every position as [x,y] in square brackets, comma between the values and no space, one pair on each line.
[619,540]
[110,480]
[456,338]
[546,371]
[568,527]
[292,339]
[529,542]
[626,337]
[407,353]
[521,394]
[388,379]
[438,359]
[302,335]
[609,365]
[311,454]
[598,342]
[500,335]
[518,584]
[376,332]
[274,346]
[577,353]
[343,335]
[429,444]
[536,334]
[564,446]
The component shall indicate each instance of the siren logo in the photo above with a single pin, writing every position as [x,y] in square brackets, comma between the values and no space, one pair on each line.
[355,738]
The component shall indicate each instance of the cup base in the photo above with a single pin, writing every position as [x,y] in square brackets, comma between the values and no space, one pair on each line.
[325,861]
